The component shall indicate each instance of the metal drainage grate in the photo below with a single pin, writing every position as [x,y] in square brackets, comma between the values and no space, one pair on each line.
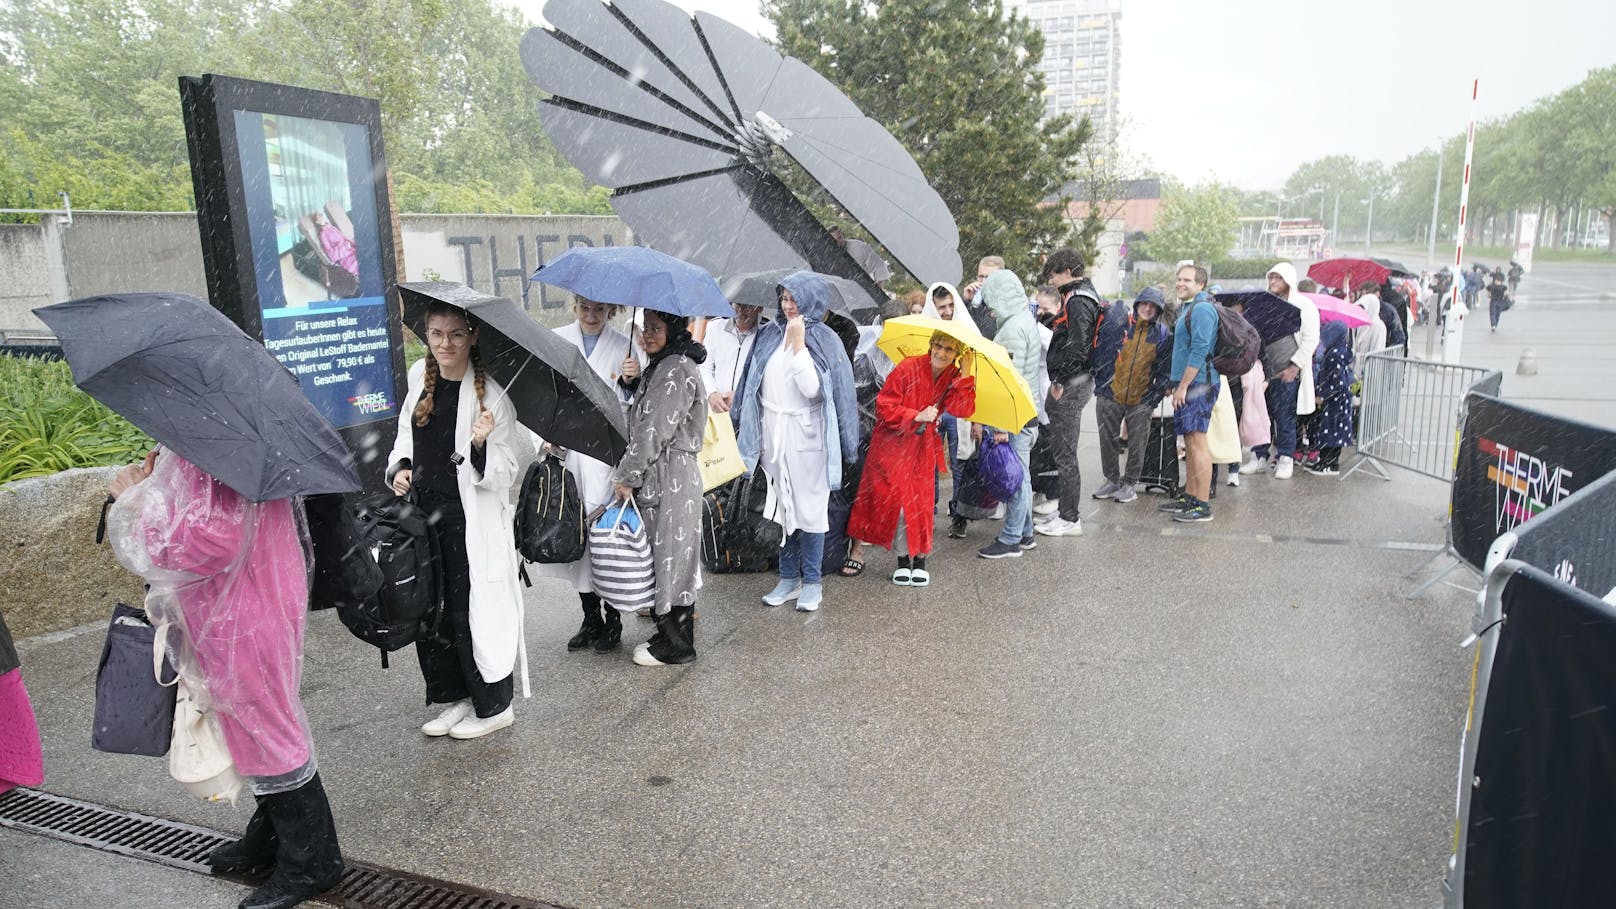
[178,845]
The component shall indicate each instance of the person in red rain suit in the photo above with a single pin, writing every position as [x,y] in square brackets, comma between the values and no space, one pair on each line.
[898,490]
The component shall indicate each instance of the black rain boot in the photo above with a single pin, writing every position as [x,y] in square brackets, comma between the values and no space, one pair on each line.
[687,623]
[308,862]
[254,851]
[589,631]
[672,648]
[611,630]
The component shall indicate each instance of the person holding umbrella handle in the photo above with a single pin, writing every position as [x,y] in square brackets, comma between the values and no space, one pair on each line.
[895,499]
[455,451]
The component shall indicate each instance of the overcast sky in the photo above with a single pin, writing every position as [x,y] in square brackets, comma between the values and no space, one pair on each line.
[1246,90]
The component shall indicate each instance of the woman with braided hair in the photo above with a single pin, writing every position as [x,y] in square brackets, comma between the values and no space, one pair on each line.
[455,450]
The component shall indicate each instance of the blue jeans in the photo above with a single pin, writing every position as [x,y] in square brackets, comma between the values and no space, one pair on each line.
[1018,514]
[948,428]
[1281,398]
[803,557]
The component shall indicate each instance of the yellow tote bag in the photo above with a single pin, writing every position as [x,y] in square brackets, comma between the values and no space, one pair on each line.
[1223,436]
[720,457]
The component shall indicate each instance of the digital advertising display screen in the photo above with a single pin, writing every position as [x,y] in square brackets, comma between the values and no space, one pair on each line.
[298,241]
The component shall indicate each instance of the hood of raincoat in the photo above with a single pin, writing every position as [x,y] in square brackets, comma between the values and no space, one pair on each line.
[1287,273]
[811,294]
[1331,334]
[1004,295]
[961,315]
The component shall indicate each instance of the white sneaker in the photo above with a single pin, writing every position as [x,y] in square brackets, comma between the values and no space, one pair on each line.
[1285,468]
[1253,465]
[1234,478]
[475,726]
[812,595]
[1060,527]
[446,720]
[1125,495]
[1047,506]
[783,592]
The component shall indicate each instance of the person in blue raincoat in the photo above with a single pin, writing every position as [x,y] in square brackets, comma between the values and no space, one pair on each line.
[1332,381]
[796,414]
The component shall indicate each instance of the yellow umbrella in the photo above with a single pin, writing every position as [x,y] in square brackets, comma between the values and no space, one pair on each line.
[1003,400]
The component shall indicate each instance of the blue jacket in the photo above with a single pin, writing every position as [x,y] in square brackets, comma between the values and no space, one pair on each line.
[839,405]
[1119,325]
[1194,339]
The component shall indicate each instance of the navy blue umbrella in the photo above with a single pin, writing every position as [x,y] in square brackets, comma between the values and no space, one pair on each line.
[189,378]
[638,277]
[1273,317]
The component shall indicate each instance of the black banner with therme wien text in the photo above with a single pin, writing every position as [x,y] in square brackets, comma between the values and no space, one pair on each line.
[1514,463]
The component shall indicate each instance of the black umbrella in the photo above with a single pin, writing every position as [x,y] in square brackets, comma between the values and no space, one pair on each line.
[189,378]
[846,297]
[1398,269]
[548,380]
[681,117]
[1272,316]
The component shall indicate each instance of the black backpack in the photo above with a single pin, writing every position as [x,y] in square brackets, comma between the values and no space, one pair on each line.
[735,536]
[408,605]
[1238,345]
[344,574]
[549,523]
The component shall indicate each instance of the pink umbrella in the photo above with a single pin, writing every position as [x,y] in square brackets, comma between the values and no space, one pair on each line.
[1335,310]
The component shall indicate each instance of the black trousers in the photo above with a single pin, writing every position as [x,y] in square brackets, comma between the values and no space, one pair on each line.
[447,663]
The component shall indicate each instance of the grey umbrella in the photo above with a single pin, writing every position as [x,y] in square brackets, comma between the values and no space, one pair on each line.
[682,116]
[189,378]
[846,297]
[555,392]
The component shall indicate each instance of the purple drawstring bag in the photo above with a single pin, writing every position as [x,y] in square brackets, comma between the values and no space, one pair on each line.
[998,468]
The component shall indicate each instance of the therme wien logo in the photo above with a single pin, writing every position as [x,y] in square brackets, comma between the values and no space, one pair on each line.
[1525,484]
[375,402]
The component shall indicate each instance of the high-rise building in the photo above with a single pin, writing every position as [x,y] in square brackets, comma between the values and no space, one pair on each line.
[1082,58]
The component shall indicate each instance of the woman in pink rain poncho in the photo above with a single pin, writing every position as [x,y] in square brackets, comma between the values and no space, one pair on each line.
[229,578]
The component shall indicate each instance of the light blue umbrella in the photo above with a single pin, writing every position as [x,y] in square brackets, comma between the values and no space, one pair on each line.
[637,277]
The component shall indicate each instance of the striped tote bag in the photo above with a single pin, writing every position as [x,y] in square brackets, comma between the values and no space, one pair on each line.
[620,558]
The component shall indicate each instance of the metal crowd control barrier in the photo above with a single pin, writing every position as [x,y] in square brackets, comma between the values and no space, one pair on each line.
[1411,416]
[1574,544]
[1412,412]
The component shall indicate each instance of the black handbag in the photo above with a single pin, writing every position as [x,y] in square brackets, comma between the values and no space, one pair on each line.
[134,708]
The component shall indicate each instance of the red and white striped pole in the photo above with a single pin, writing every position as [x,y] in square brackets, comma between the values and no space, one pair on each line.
[1453,333]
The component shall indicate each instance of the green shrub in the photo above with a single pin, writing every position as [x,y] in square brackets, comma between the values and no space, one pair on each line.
[1225,270]
[48,425]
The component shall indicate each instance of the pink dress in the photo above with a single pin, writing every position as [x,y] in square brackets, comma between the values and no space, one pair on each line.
[1255,427]
[230,577]
[339,249]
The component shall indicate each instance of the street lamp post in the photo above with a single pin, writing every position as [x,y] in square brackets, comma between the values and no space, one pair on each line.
[1335,221]
[1369,232]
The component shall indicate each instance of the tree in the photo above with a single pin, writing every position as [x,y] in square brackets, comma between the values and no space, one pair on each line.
[956,82]
[90,90]
[1198,224]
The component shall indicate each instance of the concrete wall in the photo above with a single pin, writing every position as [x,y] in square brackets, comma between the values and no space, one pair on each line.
[497,253]
[126,251]
[24,276]
[108,252]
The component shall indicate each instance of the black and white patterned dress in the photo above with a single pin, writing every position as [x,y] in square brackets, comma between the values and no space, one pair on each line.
[665,425]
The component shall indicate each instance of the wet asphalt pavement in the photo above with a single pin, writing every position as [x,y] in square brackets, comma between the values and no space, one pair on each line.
[1246,713]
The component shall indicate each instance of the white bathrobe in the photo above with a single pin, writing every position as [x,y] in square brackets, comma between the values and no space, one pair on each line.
[793,447]
[1307,338]
[497,642]
[594,478]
